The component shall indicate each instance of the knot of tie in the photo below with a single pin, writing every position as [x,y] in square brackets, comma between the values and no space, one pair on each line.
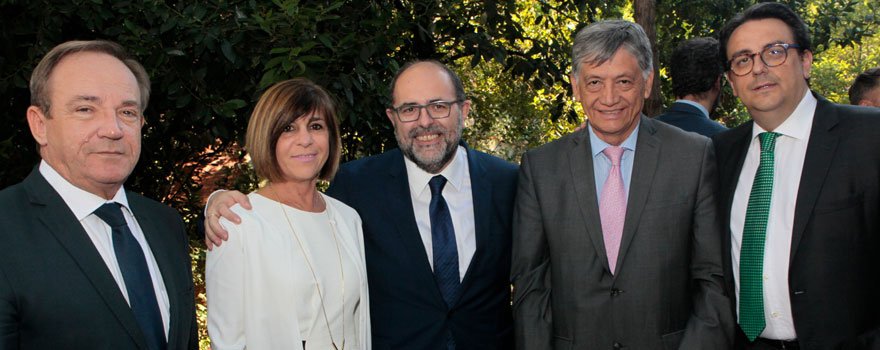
[437,183]
[111,214]
[768,140]
[614,154]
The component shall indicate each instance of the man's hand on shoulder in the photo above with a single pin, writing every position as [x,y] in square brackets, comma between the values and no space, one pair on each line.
[218,205]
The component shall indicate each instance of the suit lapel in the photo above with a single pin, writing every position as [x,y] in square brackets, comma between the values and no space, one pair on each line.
[580,161]
[67,230]
[481,192]
[820,152]
[644,166]
[400,212]
[731,158]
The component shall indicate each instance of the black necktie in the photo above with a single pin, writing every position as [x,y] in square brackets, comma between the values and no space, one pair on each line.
[133,265]
[445,250]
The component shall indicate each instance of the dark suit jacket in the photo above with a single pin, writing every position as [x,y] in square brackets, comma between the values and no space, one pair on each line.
[57,293]
[689,118]
[834,272]
[667,291]
[407,309]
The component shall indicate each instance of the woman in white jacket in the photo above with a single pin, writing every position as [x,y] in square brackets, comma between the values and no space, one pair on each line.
[292,275]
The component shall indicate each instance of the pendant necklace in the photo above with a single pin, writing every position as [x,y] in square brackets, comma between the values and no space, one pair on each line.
[312,270]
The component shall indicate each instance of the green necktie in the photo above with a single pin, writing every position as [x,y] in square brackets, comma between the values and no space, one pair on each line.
[751,256]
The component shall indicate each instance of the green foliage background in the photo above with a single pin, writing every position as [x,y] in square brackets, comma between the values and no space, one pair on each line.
[210,60]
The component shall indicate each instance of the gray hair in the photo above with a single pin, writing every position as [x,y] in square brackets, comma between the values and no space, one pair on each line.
[39,84]
[599,41]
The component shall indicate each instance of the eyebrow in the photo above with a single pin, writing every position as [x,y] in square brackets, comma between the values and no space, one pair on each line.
[429,102]
[96,99]
[600,77]
[740,52]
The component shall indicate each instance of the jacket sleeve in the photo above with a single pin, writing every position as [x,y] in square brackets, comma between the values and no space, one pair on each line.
[530,269]
[711,326]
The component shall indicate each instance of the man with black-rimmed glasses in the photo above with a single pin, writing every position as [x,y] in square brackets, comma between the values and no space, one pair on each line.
[436,219]
[799,195]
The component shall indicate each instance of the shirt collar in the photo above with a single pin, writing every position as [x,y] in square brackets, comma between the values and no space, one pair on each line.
[454,172]
[597,145]
[696,105]
[81,202]
[799,123]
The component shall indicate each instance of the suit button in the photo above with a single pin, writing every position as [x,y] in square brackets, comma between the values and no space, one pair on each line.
[616,292]
[618,345]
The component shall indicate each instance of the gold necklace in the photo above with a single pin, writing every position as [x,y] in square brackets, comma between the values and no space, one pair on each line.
[312,270]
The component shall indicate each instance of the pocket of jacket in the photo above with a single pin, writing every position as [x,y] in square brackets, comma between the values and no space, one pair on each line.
[561,343]
[672,340]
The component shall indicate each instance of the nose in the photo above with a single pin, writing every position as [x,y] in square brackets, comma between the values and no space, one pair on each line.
[424,120]
[305,138]
[758,65]
[608,96]
[110,125]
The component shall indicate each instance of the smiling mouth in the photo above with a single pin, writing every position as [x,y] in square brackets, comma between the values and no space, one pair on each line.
[764,86]
[610,112]
[427,137]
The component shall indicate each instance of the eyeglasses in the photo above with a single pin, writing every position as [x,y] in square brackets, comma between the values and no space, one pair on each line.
[772,55]
[436,110]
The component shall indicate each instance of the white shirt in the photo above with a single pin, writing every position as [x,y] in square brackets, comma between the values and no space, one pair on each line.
[83,203]
[459,199]
[791,148]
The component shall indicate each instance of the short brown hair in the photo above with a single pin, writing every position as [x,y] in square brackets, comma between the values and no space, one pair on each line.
[39,83]
[279,106]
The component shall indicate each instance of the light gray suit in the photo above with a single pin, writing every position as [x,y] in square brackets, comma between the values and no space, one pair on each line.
[667,291]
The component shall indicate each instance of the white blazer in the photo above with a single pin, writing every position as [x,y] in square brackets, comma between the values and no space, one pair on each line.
[250,280]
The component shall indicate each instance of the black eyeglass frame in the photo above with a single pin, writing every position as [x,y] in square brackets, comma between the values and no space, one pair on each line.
[751,56]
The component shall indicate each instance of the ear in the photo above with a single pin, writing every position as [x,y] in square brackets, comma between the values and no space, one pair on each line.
[807,62]
[390,116]
[37,123]
[649,83]
[730,81]
[465,109]
[574,87]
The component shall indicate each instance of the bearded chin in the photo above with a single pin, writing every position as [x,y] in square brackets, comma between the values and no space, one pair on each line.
[432,165]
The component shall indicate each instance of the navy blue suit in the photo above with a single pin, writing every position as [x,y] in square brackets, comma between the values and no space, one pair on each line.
[690,118]
[407,309]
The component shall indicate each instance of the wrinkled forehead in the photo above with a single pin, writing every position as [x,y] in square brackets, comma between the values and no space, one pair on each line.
[94,77]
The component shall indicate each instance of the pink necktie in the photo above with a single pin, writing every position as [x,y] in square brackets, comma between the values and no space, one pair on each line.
[612,206]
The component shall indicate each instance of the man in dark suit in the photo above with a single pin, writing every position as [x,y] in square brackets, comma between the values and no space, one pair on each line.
[429,289]
[616,241]
[696,83]
[798,194]
[86,264]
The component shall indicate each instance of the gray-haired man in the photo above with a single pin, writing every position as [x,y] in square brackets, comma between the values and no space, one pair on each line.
[616,243]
